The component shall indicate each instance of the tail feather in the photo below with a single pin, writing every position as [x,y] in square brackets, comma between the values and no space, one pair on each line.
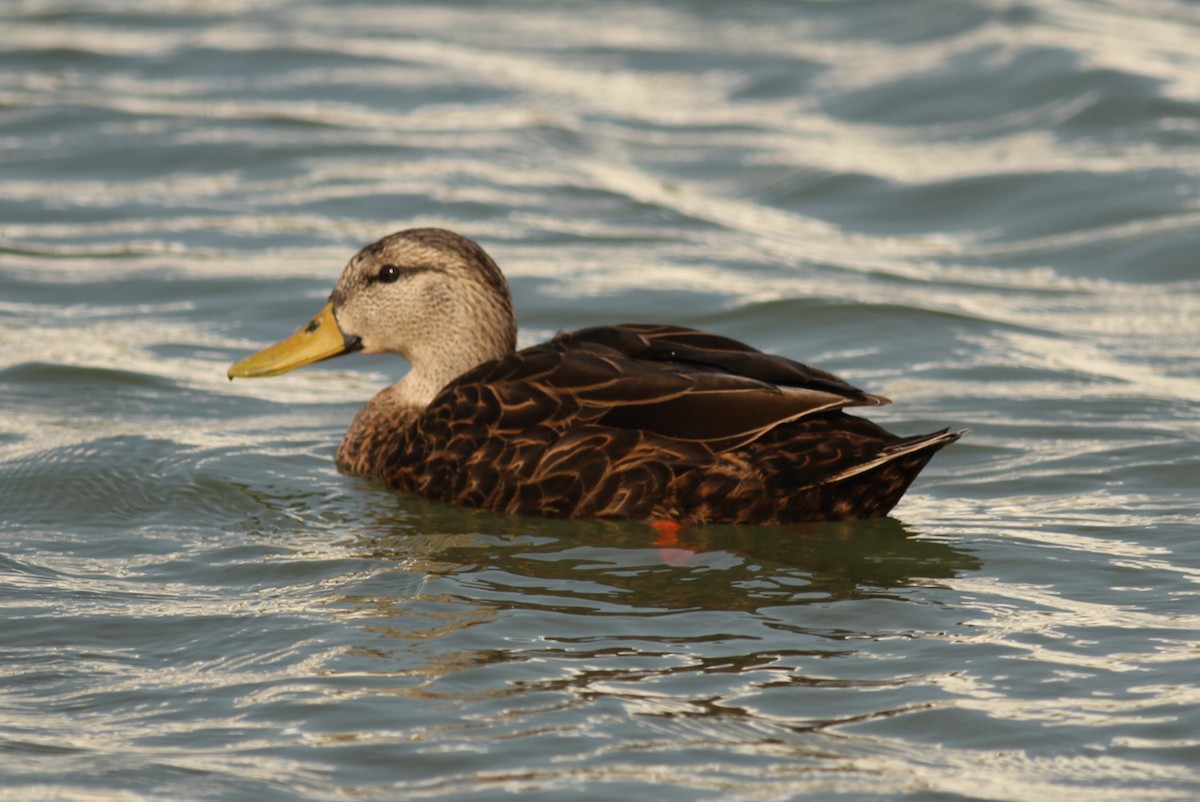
[874,487]
[928,444]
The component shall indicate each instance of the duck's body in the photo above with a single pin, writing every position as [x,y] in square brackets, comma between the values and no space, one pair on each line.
[635,421]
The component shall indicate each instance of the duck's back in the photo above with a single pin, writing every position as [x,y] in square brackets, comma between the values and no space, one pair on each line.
[653,423]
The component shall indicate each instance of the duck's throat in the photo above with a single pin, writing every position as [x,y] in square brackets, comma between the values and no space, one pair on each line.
[381,428]
[377,431]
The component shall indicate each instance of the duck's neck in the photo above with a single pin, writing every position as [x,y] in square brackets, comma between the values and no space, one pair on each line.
[373,435]
[365,446]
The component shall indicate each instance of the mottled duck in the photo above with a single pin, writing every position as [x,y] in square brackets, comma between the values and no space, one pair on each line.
[637,421]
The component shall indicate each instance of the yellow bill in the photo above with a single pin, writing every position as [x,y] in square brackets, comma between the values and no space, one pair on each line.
[320,339]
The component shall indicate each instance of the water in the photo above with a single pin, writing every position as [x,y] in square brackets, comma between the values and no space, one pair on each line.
[985,210]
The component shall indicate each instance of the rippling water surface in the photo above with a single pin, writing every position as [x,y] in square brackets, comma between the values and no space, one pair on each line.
[985,210]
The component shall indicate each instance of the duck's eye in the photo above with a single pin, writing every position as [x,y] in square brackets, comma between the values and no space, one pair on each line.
[388,274]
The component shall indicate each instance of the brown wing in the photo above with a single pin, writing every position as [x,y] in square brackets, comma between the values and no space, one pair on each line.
[674,343]
[675,382]
[603,422]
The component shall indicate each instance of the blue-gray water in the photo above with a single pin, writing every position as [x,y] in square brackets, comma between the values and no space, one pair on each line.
[986,210]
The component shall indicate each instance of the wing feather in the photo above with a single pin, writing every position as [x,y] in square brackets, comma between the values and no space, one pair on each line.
[634,421]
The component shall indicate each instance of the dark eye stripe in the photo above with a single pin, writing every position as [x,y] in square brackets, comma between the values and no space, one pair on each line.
[390,273]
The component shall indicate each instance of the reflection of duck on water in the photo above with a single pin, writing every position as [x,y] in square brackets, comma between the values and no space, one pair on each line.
[717,567]
[647,422]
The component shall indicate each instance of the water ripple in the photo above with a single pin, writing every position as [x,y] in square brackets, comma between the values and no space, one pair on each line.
[985,210]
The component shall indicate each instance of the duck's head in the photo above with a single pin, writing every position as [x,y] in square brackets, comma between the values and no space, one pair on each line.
[426,294]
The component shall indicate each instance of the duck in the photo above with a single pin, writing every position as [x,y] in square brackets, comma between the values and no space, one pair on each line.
[637,421]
